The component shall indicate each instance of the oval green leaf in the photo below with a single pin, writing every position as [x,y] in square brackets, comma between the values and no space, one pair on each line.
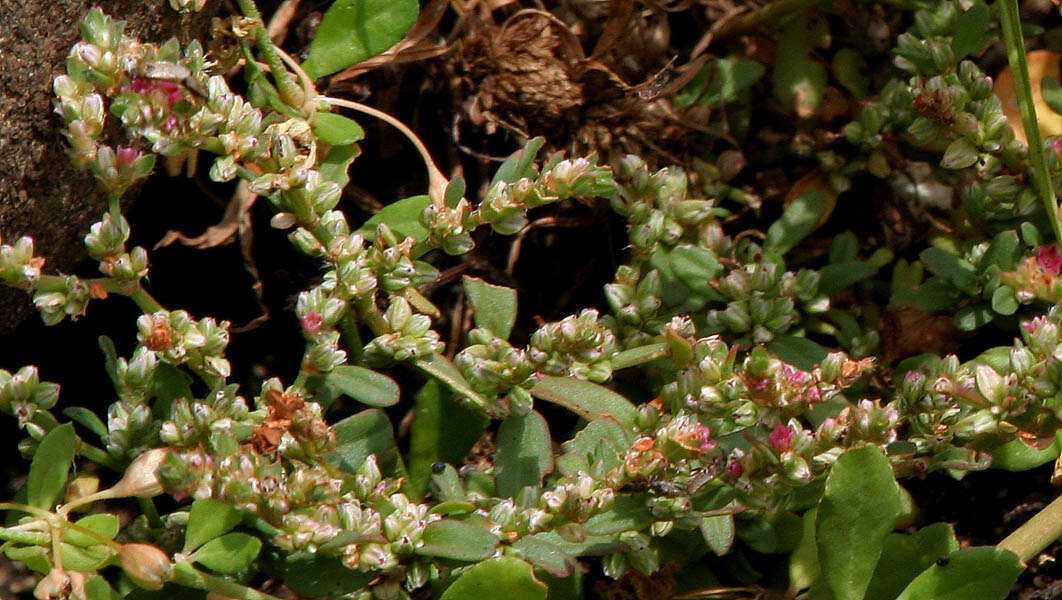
[89,558]
[509,578]
[355,30]
[858,507]
[364,385]
[525,453]
[207,520]
[586,399]
[229,553]
[317,576]
[905,556]
[979,573]
[545,555]
[443,430]
[799,219]
[50,466]
[336,130]
[403,217]
[104,524]
[458,540]
[493,306]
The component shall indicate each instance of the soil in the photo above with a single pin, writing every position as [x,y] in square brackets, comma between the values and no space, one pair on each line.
[591,76]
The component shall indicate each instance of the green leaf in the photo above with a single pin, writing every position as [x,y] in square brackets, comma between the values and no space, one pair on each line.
[171,383]
[335,165]
[799,81]
[355,30]
[440,368]
[804,569]
[979,573]
[696,267]
[858,507]
[97,588]
[364,385]
[318,577]
[457,540]
[797,351]
[627,513]
[1004,301]
[1016,456]
[904,556]
[520,164]
[1051,90]
[104,524]
[959,154]
[546,555]
[1004,251]
[725,78]
[586,399]
[524,455]
[455,190]
[442,430]
[403,217]
[336,130]
[89,558]
[969,318]
[971,31]
[837,276]
[493,306]
[229,553]
[86,418]
[800,218]
[50,466]
[358,436]
[601,443]
[959,272]
[207,520]
[509,578]
[718,532]
[847,66]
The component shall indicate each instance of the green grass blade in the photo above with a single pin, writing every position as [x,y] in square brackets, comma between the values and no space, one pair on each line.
[1015,44]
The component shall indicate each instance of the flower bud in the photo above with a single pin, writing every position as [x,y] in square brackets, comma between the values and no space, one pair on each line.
[56,584]
[148,566]
[140,479]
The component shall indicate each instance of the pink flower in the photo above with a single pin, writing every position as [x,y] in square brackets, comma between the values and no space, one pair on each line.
[734,468]
[793,376]
[814,395]
[761,384]
[781,437]
[1049,260]
[312,322]
[126,156]
[1034,324]
[704,438]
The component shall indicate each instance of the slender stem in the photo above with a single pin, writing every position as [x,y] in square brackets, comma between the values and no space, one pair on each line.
[33,510]
[437,182]
[1010,22]
[290,92]
[1037,533]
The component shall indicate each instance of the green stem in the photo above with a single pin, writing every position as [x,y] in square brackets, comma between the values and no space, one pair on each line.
[1010,22]
[290,92]
[1037,533]
[188,576]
